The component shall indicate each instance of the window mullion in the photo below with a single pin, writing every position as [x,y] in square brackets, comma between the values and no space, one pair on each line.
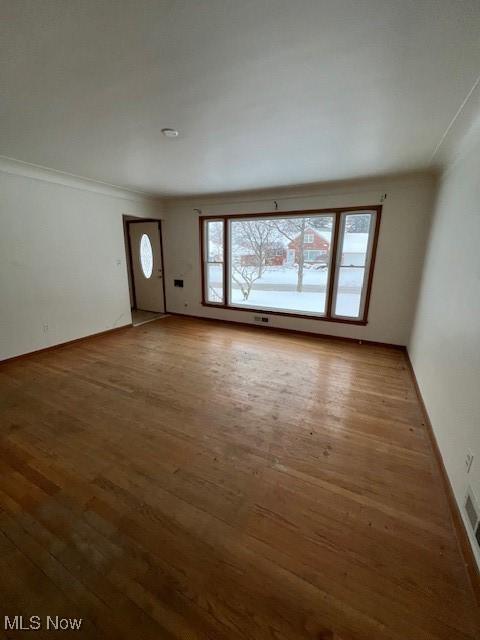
[333,265]
[226,268]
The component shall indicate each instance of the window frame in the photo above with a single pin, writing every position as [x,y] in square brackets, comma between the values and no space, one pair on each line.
[329,315]
[338,264]
[206,262]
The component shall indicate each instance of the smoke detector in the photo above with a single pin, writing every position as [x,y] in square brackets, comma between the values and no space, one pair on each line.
[170,133]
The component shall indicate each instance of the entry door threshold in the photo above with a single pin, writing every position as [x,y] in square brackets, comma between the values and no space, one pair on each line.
[143,319]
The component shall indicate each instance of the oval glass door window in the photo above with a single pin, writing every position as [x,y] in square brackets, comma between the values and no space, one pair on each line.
[146,256]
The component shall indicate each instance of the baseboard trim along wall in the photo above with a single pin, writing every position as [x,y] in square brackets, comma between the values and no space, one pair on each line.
[65,344]
[459,525]
[310,334]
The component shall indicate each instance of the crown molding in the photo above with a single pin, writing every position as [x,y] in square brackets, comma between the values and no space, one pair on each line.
[454,141]
[370,190]
[45,174]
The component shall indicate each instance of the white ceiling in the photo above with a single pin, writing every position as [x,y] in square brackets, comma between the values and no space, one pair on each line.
[264,92]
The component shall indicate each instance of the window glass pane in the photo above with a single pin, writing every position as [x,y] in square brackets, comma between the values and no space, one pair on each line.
[355,240]
[355,247]
[281,263]
[349,291]
[146,256]
[215,241]
[214,283]
[214,248]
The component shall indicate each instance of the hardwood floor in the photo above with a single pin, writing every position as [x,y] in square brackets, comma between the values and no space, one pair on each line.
[187,479]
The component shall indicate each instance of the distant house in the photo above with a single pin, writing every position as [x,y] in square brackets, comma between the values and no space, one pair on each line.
[315,247]
[275,256]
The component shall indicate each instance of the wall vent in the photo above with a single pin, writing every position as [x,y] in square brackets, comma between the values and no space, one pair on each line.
[471,509]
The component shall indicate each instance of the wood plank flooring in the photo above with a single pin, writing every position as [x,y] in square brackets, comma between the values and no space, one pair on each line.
[188,479]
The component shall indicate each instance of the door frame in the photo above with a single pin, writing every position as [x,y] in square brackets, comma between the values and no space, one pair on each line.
[127,221]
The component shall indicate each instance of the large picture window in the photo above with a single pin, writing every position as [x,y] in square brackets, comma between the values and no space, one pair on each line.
[309,263]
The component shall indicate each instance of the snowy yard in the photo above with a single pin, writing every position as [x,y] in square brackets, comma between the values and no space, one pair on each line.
[288,275]
[276,289]
[310,302]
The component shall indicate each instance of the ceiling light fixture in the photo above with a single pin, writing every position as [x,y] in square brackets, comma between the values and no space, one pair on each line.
[170,133]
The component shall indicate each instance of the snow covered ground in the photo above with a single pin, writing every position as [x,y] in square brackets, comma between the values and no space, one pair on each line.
[289,300]
[288,275]
[309,302]
[276,289]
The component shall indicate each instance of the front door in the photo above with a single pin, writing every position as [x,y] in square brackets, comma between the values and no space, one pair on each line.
[147,270]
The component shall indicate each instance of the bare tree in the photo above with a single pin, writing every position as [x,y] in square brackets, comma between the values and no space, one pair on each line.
[324,223]
[214,296]
[256,237]
[251,246]
[245,276]
[294,230]
[215,241]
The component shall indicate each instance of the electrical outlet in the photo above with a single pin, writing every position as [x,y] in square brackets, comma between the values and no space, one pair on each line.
[45,328]
[468,461]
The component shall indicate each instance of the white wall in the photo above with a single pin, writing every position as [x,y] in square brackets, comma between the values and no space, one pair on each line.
[62,259]
[445,343]
[403,233]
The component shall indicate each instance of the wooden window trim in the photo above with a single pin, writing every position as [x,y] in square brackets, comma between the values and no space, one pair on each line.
[336,211]
[206,262]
